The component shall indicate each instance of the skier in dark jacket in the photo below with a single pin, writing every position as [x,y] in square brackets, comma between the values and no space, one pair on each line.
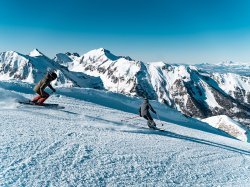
[144,112]
[40,87]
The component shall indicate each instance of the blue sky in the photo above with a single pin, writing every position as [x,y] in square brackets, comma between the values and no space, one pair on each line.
[175,31]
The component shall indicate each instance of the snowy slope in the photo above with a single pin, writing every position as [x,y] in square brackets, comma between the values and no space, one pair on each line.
[86,144]
[228,125]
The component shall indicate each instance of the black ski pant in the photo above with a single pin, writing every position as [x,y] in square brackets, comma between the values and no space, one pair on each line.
[150,122]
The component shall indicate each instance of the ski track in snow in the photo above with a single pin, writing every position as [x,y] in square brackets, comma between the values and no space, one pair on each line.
[86,144]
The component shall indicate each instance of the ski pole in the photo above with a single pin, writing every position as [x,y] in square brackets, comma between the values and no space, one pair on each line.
[126,119]
[159,119]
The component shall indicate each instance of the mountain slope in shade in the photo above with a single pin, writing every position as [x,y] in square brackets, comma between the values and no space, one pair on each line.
[64,58]
[32,68]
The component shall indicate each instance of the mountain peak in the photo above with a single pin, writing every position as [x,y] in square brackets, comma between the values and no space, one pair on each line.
[231,63]
[72,54]
[35,52]
[99,51]
[111,55]
[227,63]
[103,50]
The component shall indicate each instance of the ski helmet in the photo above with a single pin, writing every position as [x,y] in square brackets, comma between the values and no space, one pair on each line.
[53,75]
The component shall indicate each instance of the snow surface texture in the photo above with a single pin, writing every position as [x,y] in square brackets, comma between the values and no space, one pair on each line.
[86,144]
[9,100]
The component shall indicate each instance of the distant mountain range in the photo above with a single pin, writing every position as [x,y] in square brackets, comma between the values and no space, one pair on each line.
[227,67]
[200,91]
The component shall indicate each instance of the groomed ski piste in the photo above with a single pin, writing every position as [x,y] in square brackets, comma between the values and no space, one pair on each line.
[87,144]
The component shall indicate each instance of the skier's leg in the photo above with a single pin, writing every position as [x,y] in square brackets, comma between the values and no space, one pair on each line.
[146,117]
[149,117]
[36,98]
[43,99]
[148,121]
[151,122]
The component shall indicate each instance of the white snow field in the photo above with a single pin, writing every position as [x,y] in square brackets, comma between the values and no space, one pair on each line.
[87,144]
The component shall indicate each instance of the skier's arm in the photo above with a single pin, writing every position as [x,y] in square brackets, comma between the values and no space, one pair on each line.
[151,108]
[51,87]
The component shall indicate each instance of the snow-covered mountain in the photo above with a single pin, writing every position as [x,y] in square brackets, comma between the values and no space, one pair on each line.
[227,67]
[186,88]
[235,85]
[190,90]
[32,68]
[119,74]
[64,58]
[198,93]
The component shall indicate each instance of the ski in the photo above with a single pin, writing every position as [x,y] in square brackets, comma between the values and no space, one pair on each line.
[46,105]
[156,128]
